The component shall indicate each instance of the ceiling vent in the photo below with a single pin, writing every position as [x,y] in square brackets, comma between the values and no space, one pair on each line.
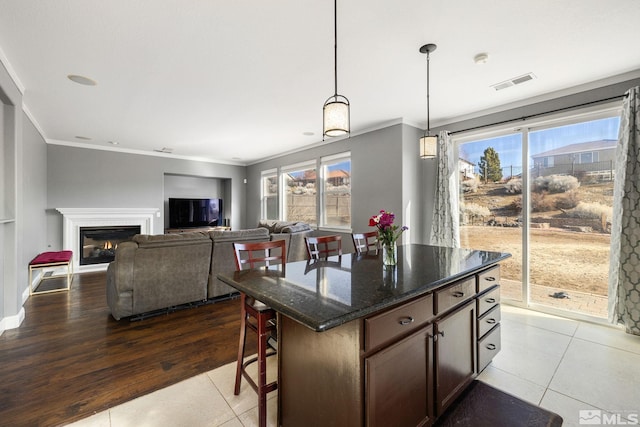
[164,150]
[514,81]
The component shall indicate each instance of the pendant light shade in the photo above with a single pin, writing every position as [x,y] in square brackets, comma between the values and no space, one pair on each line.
[336,117]
[428,146]
[428,143]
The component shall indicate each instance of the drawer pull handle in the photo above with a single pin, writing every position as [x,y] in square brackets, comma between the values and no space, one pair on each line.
[491,346]
[406,320]
[490,279]
[491,321]
[435,337]
[458,294]
[490,300]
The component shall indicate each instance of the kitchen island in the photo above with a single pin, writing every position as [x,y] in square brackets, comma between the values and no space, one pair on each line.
[360,343]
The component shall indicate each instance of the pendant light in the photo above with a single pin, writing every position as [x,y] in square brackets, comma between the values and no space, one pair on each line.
[428,143]
[335,112]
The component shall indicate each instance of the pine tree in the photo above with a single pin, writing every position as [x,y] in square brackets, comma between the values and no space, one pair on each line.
[489,165]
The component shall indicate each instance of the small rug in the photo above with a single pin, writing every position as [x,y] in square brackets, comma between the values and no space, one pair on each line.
[482,405]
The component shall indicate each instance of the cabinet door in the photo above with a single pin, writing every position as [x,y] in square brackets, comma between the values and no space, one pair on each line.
[455,348]
[399,382]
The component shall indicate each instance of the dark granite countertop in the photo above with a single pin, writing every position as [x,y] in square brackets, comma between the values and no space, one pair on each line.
[325,294]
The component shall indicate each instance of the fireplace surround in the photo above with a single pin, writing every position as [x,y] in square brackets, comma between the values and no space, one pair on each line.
[76,218]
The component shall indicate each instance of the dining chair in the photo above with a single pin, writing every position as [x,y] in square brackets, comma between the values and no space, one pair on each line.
[365,242]
[323,247]
[259,318]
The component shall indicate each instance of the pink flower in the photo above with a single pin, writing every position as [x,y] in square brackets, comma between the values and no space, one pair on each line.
[387,232]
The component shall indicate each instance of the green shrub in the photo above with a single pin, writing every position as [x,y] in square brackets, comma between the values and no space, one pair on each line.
[469,185]
[540,203]
[590,211]
[514,186]
[516,204]
[567,201]
[474,210]
[555,183]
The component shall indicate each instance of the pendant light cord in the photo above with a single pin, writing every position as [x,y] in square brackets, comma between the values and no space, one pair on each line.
[428,126]
[335,46]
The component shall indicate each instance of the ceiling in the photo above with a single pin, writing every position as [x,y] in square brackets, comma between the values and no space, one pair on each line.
[239,81]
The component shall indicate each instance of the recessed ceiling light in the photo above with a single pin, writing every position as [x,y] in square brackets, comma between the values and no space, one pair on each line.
[308,133]
[84,138]
[82,80]
[113,142]
[236,158]
[481,58]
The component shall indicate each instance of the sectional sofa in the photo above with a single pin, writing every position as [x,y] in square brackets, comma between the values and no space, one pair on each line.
[155,272]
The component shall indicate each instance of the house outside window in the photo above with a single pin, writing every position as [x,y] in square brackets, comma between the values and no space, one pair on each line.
[299,193]
[554,217]
[269,194]
[336,191]
[588,157]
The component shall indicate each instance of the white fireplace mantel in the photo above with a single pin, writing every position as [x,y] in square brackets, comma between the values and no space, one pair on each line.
[74,218]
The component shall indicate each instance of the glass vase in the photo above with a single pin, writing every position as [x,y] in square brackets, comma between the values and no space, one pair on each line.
[389,253]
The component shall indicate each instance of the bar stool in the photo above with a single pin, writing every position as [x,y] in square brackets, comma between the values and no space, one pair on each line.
[259,318]
[323,247]
[365,242]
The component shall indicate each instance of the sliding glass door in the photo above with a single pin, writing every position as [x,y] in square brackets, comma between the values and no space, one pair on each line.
[544,193]
[490,204]
[571,197]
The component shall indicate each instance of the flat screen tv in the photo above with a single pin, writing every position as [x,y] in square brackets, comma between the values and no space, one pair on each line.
[186,213]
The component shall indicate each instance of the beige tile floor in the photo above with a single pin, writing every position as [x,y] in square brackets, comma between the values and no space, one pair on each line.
[563,365]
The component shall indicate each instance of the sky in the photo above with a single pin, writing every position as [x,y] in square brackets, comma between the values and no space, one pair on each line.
[509,147]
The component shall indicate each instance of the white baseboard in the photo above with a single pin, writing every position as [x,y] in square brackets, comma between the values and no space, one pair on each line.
[12,322]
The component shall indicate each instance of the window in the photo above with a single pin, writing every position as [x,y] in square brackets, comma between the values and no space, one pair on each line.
[336,191]
[588,157]
[553,217]
[269,194]
[300,193]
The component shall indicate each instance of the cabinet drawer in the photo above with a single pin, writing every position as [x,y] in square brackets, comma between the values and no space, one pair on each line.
[487,301]
[455,294]
[488,347]
[488,321]
[488,278]
[384,327]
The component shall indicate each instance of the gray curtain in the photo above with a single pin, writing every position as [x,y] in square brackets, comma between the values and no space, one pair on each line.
[624,267]
[445,227]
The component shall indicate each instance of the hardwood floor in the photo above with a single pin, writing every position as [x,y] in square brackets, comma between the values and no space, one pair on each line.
[70,359]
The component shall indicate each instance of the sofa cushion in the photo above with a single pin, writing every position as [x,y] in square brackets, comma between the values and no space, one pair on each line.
[177,239]
[295,227]
[283,226]
[269,224]
[239,235]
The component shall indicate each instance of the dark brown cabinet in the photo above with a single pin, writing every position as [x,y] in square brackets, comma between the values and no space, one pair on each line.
[402,366]
[455,350]
[399,382]
[488,323]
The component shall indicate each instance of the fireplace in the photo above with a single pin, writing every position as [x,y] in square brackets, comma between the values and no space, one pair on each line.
[99,243]
[75,218]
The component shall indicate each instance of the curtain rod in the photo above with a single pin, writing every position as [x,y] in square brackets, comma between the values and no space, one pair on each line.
[540,114]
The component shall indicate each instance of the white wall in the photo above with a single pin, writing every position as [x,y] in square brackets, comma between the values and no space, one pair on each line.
[376,174]
[85,178]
